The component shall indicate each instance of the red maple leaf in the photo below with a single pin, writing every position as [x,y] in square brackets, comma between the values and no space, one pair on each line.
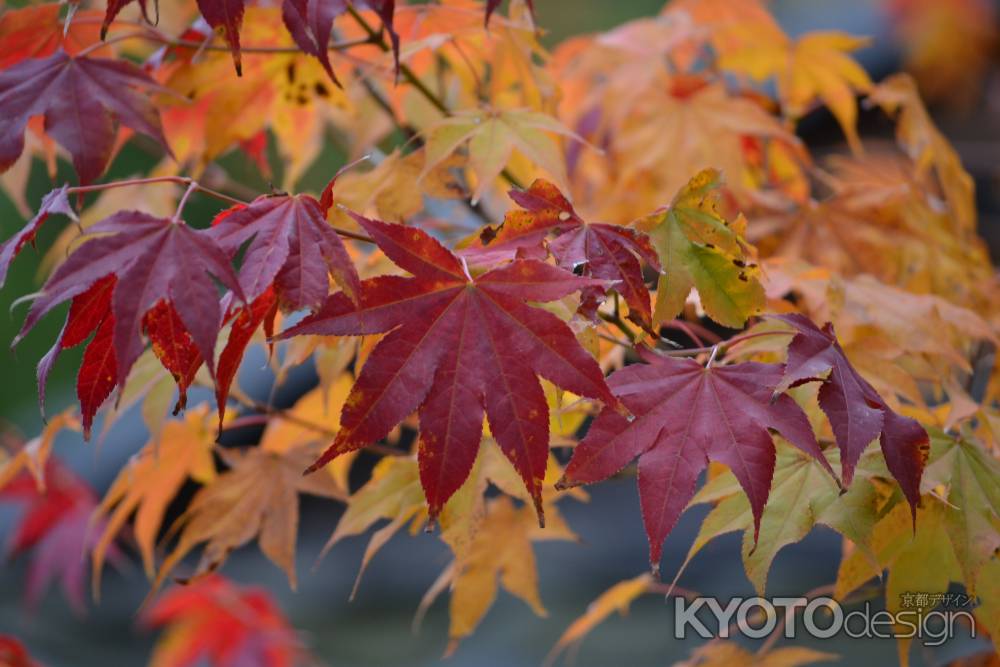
[457,346]
[686,414]
[245,321]
[212,621]
[607,252]
[82,99]
[55,528]
[153,261]
[292,247]
[857,413]
[88,312]
[56,201]
[115,7]
[13,653]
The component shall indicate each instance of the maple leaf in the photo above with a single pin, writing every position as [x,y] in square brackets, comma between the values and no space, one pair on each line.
[91,313]
[815,66]
[392,492]
[245,321]
[802,496]
[256,497]
[116,6]
[33,455]
[856,412]
[151,480]
[457,346]
[226,16]
[927,146]
[216,622]
[292,246]
[88,312]
[173,346]
[56,528]
[618,598]
[153,259]
[57,202]
[686,415]
[14,654]
[311,23]
[906,554]
[699,249]
[66,90]
[38,31]
[492,137]
[966,473]
[606,252]
[894,337]
[499,553]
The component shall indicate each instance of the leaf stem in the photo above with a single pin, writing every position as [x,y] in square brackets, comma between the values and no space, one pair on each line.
[114,40]
[695,351]
[192,186]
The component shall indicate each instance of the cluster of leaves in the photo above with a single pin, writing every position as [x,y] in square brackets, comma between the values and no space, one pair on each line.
[468,341]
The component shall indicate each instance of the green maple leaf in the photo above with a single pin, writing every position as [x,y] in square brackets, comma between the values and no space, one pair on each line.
[972,511]
[699,248]
[802,495]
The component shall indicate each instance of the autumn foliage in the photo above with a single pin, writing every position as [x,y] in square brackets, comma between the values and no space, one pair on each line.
[534,270]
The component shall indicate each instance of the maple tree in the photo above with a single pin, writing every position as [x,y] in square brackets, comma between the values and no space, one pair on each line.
[532,270]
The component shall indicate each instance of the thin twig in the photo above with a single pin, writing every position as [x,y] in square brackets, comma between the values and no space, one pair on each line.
[153,35]
[615,319]
[179,180]
[612,339]
[192,186]
[279,413]
[695,351]
[411,78]
[114,40]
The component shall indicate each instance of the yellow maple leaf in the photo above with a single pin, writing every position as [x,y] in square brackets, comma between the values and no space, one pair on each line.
[618,598]
[927,147]
[33,454]
[257,497]
[492,136]
[499,553]
[815,67]
[151,480]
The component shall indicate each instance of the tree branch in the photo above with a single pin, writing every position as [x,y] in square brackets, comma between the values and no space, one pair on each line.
[193,186]
[375,37]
